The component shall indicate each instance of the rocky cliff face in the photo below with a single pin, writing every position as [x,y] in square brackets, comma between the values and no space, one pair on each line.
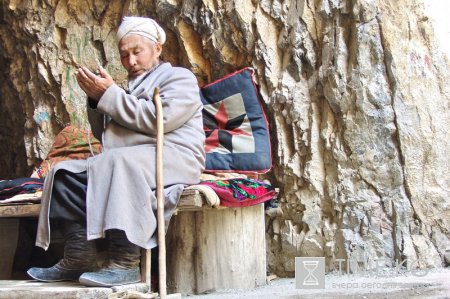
[356,91]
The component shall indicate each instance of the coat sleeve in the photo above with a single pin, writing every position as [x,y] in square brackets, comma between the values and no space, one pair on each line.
[180,100]
[95,119]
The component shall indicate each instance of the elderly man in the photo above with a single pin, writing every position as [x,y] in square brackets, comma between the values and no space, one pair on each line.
[110,195]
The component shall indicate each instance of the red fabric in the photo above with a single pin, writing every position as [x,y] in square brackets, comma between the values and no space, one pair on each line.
[241,192]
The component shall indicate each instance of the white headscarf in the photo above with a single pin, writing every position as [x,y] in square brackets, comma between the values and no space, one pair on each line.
[142,26]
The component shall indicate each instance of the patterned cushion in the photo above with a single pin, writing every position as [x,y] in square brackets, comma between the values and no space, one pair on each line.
[237,135]
[71,143]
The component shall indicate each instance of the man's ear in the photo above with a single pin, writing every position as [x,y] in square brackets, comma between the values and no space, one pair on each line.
[158,48]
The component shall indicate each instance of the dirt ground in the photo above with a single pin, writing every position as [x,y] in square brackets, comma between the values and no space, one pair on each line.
[430,284]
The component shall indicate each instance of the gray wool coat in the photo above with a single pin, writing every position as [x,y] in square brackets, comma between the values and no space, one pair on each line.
[121,180]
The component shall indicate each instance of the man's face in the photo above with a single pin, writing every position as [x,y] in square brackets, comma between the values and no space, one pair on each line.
[138,54]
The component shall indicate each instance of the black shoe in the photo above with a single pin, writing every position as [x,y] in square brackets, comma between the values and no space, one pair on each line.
[108,277]
[55,273]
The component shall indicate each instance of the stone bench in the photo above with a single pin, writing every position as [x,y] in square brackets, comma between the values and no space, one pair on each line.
[207,248]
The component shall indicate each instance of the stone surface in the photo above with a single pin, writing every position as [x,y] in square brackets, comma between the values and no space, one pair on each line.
[356,94]
[17,289]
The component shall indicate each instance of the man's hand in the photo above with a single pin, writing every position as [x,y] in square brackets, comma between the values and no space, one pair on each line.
[94,86]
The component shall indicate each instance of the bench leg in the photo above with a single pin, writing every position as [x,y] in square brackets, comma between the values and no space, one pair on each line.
[146,259]
[216,249]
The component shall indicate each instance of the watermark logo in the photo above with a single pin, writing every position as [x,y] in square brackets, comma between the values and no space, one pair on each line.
[310,272]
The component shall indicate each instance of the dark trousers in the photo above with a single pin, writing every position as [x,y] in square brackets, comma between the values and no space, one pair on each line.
[68,200]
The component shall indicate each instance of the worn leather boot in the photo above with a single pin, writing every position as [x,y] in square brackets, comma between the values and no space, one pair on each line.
[79,256]
[123,265]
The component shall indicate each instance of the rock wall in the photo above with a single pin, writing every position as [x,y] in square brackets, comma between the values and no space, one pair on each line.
[355,92]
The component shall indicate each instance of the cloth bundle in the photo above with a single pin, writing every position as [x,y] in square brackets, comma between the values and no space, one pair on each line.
[10,188]
[241,192]
[71,143]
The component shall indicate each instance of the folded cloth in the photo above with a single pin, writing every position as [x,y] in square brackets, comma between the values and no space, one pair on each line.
[221,176]
[241,192]
[23,198]
[10,188]
[211,197]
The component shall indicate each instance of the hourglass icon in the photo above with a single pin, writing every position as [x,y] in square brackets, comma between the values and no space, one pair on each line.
[310,279]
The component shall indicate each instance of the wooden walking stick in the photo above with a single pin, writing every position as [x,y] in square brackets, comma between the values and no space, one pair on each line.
[160,194]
